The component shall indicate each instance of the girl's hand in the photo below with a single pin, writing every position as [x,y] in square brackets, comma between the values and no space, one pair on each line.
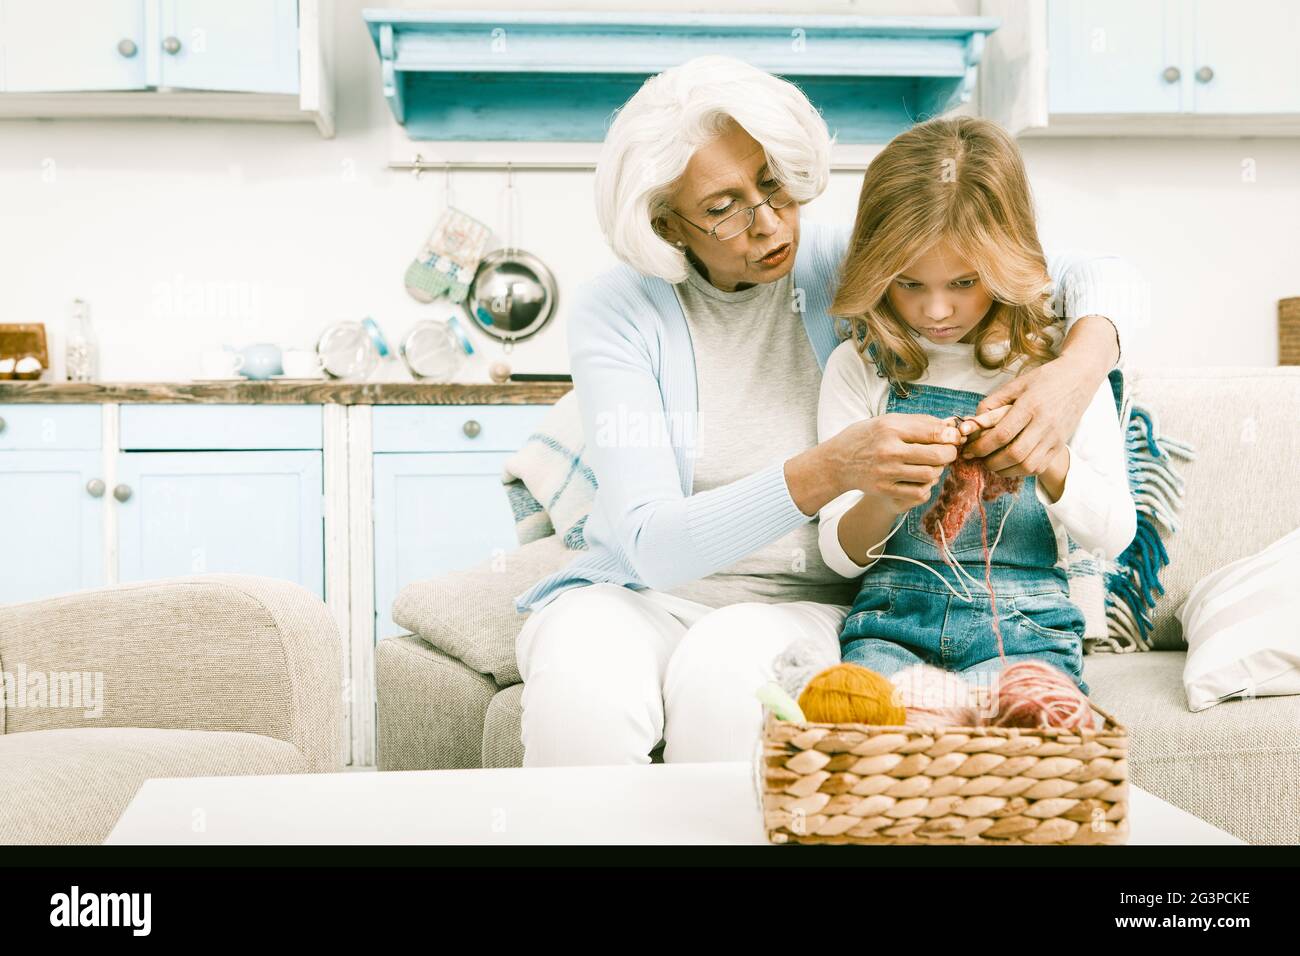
[972,428]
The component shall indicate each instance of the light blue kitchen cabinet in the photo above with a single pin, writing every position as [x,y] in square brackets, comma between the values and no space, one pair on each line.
[435,514]
[51,500]
[248,46]
[52,516]
[1115,56]
[1162,67]
[1246,57]
[251,512]
[439,504]
[62,45]
[96,45]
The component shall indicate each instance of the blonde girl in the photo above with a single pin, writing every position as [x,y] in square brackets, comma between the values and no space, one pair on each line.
[947,296]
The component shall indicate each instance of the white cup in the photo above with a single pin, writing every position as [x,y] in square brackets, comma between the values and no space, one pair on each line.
[220,363]
[300,363]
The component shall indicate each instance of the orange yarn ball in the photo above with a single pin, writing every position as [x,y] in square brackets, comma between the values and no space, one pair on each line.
[851,694]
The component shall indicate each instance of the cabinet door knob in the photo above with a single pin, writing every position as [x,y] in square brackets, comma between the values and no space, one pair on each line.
[122,492]
[127,48]
[1204,74]
[1172,74]
[95,487]
[172,45]
[472,428]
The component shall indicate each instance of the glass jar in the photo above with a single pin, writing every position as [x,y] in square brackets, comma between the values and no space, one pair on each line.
[351,349]
[81,351]
[435,349]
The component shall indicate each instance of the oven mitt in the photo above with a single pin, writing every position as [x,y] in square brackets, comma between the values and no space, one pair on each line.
[449,258]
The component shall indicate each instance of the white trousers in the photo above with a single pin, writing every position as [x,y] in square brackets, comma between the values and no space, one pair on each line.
[609,672]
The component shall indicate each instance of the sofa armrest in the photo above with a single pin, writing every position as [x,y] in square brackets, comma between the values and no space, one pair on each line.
[225,652]
[470,615]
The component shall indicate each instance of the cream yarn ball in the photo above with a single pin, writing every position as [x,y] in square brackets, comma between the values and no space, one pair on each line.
[934,697]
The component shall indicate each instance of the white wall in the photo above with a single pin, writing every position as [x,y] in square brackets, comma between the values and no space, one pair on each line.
[182,234]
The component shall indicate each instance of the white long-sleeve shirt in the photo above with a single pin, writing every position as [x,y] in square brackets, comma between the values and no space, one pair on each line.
[1096,507]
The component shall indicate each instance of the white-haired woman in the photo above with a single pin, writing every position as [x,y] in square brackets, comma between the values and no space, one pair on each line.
[697,367]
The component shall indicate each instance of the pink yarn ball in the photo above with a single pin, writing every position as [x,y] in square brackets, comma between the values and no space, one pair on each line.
[1035,694]
[934,697]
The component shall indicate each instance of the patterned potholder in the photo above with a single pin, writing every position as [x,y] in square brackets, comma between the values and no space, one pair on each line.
[449,258]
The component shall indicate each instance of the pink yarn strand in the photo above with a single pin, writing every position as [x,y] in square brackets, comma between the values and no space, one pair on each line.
[1029,693]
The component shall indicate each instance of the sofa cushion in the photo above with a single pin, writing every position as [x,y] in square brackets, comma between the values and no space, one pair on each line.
[503,743]
[470,615]
[1242,423]
[71,785]
[1240,626]
[1236,765]
[430,707]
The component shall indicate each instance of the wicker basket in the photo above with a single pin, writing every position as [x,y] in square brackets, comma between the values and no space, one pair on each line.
[1288,331]
[859,783]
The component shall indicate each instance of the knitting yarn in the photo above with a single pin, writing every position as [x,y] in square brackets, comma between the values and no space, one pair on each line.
[801,660]
[1035,694]
[851,694]
[935,698]
[969,482]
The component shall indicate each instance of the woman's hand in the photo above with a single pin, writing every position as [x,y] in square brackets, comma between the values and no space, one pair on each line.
[1053,472]
[895,457]
[1046,403]
[1040,410]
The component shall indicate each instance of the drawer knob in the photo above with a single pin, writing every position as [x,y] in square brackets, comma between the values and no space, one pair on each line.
[95,487]
[127,48]
[172,45]
[122,492]
[1172,74]
[1204,74]
[472,428]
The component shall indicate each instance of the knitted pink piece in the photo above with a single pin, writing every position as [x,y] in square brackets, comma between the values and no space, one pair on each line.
[969,483]
[1030,693]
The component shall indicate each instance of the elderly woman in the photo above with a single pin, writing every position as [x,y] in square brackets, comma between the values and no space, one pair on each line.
[697,368]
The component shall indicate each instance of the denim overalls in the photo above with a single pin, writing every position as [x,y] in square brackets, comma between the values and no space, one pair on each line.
[904,614]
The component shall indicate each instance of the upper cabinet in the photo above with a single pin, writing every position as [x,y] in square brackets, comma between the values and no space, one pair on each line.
[545,77]
[215,59]
[1166,67]
[249,46]
[60,45]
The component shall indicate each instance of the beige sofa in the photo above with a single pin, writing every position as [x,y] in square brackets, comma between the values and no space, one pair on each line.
[212,675]
[449,697]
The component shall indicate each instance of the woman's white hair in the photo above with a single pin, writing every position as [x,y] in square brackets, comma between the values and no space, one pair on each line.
[655,133]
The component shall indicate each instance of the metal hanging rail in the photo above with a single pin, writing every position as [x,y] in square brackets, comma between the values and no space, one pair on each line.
[419,165]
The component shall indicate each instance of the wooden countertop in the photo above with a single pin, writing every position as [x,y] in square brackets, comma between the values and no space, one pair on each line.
[316,392]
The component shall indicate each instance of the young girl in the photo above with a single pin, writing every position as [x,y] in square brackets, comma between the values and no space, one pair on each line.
[947,293]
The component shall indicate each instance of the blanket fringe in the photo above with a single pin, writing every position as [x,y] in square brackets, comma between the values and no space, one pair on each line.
[1133,580]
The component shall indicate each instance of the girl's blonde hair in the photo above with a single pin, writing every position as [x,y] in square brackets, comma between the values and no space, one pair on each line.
[962,180]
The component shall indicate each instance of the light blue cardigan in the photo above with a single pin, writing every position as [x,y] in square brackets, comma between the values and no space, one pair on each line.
[633,369]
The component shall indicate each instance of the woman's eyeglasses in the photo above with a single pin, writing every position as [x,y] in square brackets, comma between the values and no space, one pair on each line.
[740,220]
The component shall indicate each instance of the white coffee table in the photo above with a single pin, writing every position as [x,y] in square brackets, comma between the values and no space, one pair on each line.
[671,804]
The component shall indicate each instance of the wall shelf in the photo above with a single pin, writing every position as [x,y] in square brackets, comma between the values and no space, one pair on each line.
[558,76]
